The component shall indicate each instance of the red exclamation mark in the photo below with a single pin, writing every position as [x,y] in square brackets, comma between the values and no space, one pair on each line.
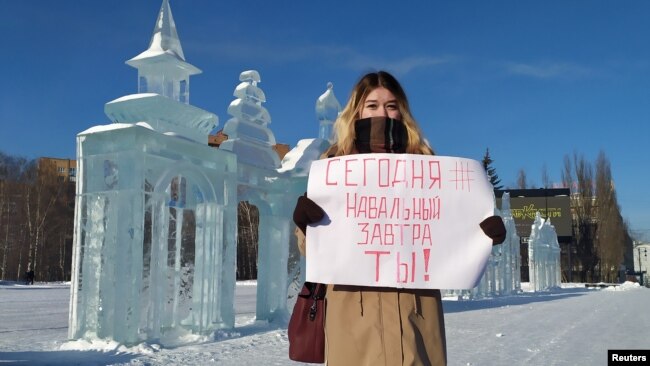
[427,252]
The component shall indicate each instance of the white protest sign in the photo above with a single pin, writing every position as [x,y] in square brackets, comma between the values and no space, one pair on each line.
[399,220]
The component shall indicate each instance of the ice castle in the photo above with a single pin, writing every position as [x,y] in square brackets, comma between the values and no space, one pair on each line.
[156,207]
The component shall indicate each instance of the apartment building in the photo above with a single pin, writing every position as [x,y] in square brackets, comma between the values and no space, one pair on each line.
[66,169]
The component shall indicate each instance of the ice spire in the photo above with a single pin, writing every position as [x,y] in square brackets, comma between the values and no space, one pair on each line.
[327,110]
[165,36]
[162,68]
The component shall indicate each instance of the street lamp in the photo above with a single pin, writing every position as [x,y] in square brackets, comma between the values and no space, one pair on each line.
[645,255]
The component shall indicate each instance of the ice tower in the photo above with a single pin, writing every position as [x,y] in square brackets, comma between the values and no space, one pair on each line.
[162,68]
[298,161]
[269,184]
[327,110]
[156,210]
[510,250]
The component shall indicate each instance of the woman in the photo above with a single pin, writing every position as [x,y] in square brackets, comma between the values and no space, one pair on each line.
[377,325]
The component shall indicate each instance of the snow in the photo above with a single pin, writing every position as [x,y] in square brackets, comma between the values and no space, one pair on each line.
[133,96]
[103,128]
[114,126]
[299,159]
[572,325]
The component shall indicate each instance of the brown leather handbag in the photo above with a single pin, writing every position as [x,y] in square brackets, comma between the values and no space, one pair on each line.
[307,325]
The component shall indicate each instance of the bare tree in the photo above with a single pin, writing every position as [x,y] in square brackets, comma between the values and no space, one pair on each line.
[4,226]
[611,232]
[521,179]
[11,216]
[578,174]
[546,179]
[247,240]
[567,173]
[36,219]
[42,190]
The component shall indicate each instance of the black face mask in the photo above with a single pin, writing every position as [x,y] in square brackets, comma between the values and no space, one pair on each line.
[380,135]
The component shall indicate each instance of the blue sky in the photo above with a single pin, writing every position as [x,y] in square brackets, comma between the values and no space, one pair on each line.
[532,81]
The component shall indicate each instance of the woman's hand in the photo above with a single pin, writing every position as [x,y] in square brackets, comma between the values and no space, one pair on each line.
[494,228]
[307,212]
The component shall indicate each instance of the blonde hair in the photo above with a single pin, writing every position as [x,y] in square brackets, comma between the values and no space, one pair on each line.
[344,125]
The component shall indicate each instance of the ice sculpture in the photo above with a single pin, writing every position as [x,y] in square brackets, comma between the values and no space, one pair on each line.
[503,270]
[297,163]
[260,183]
[156,209]
[510,250]
[543,255]
[162,68]
[269,184]
[248,134]
[327,110]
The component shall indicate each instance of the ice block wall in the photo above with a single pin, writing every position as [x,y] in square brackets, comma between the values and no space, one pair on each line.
[154,216]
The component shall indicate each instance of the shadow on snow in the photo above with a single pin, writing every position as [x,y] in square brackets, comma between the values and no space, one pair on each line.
[517,299]
[65,358]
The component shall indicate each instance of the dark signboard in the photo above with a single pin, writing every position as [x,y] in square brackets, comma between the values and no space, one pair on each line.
[552,203]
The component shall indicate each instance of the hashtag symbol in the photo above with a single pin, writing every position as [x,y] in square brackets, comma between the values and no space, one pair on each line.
[462,176]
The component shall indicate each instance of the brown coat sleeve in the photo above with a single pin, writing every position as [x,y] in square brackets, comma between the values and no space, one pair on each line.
[301,241]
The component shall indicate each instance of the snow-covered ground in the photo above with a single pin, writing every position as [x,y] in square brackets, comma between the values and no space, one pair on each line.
[568,326]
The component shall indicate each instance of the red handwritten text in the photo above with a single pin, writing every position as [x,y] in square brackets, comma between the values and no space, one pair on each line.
[389,173]
[373,207]
[405,264]
[394,234]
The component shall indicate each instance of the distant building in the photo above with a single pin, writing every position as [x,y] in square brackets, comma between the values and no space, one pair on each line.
[66,169]
[641,261]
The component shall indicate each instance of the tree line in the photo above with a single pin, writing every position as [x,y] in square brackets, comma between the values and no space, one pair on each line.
[600,233]
[36,220]
[37,214]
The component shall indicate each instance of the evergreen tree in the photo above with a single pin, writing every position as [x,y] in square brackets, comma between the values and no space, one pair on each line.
[491,172]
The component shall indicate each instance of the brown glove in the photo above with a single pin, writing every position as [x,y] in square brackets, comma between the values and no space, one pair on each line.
[494,228]
[307,212]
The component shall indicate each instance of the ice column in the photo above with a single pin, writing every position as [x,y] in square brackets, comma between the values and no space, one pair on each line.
[510,250]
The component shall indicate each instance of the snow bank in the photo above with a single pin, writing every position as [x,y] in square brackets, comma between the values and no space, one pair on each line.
[625,286]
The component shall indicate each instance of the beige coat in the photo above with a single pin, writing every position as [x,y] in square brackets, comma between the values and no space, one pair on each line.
[382,326]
